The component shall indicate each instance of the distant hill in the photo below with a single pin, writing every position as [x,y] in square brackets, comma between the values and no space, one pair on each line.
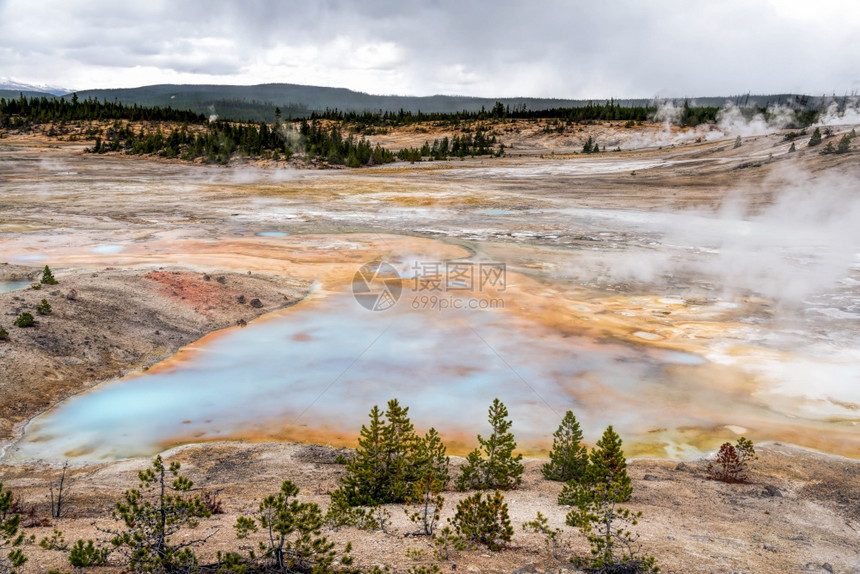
[257,103]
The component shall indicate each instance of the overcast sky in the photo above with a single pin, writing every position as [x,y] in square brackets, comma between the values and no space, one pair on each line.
[565,49]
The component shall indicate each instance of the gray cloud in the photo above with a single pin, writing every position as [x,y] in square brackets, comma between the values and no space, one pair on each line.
[627,48]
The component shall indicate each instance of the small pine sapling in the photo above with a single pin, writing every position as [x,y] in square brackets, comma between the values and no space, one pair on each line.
[48,277]
[497,467]
[731,463]
[43,308]
[484,521]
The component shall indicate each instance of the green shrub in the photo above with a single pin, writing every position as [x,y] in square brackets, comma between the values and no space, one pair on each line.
[4,334]
[86,555]
[598,515]
[292,540]
[44,307]
[428,502]
[552,536]
[25,319]
[484,521]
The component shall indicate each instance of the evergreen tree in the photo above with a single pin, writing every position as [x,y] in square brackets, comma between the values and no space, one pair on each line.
[606,465]
[364,482]
[815,139]
[497,468]
[568,457]
[844,144]
[390,458]
[153,514]
[587,148]
[11,541]
[48,277]
[793,148]
[596,511]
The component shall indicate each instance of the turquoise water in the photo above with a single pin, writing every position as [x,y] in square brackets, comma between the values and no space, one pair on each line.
[6,286]
[272,234]
[326,362]
[492,211]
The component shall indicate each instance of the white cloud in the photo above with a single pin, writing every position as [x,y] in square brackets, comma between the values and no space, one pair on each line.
[510,48]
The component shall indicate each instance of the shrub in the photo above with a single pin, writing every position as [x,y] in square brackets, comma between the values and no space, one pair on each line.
[483,521]
[568,457]
[738,142]
[552,536]
[212,502]
[500,469]
[292,540]
[447,543]
[25,319]
[732,462]
[48,277]
[44,307]
[4,334]
[86,554]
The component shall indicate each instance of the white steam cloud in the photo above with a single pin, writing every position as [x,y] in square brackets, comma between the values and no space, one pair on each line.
[803,243]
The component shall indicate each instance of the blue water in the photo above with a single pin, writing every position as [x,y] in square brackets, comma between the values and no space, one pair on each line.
[326,362]
[492,211]
[272,233]
[6,286]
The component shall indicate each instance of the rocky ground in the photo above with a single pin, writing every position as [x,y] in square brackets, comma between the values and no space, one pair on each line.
[799,513]
[106,323]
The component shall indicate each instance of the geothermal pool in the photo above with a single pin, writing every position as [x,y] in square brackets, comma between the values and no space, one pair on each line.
[315,371]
